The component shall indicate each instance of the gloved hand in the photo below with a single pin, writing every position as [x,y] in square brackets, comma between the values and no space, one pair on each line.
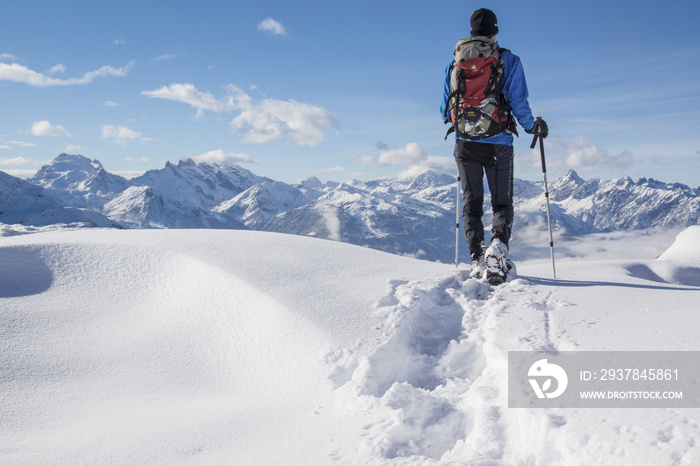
[540,128]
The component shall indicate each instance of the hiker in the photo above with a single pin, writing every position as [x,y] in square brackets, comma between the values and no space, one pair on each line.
[484,89]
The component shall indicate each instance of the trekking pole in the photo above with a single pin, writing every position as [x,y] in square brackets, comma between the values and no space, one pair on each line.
[546,195]
[457,223]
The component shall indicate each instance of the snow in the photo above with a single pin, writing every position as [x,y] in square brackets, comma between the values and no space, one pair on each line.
[249,347]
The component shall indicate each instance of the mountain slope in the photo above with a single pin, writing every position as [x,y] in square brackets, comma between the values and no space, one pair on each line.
[28,204]
[79,181]
[145,207]
[203,185]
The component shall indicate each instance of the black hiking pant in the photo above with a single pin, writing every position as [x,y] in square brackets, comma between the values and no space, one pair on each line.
[496,161]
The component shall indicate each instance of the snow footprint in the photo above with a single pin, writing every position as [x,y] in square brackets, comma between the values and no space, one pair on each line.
[423,319]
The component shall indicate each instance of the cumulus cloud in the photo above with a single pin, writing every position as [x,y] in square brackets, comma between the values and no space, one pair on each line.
[259,122]
[15,161]
[21,74]
[187,93]
[580,154]
[412,154]
[413,157]
[433,163]
[219,156]
[270,120]
[121,135]
[273,27]
[44,128]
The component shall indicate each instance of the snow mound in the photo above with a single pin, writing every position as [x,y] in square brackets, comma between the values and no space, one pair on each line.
[680,263]
[686,249]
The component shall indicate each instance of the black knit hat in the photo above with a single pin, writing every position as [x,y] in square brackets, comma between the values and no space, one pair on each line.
[484,23]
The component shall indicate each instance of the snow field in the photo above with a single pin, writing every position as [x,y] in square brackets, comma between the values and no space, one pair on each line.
[213,347]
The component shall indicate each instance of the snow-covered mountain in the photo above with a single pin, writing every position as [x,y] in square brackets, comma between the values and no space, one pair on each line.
[412,216]
[145,207]
[409,216]
[25,203]
[626,205]
[79,181]
[264,201]
[204,185]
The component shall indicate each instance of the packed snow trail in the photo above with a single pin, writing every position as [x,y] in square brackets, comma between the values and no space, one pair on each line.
[440,398]
[207,347]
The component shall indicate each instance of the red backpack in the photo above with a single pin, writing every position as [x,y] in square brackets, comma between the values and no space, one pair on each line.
[476,106]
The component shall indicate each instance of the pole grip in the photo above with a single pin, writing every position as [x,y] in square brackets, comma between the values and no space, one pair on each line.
[534,142]
[544,165]
[534,139]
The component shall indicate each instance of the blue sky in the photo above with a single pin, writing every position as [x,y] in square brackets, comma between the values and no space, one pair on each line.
[340,90]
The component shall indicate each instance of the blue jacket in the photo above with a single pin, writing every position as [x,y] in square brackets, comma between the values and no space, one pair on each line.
[515,90]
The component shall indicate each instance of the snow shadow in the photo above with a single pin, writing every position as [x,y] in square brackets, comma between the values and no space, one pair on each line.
[23,273]
[589,283]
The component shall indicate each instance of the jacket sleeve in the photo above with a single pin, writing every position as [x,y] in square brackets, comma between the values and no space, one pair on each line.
[446,90]
[515,90]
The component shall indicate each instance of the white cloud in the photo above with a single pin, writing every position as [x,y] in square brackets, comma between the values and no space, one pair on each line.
[140,159]
[259,122]
[119,41]
[187,93]
[22,143]
[59,68]
[330,216]
[21,173]
[8,57]
[120,135]
[325,171]
[433,163]
[271,120]
[109,103]
[579,154]
[129,174]
[21,74]
[413,157]
[44,128]
[219,156]
[273,27]
[15,161]
[164,57]
[72,149]
[412,154]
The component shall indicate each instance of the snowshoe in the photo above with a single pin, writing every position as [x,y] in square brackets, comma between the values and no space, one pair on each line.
[496,262]
[478,268]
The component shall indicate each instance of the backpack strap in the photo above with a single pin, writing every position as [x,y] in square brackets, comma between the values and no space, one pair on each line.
[511,126]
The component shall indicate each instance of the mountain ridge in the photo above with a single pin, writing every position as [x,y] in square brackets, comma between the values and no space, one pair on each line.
[412,215]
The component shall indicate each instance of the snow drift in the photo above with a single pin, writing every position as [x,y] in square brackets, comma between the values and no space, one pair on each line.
[221,347]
